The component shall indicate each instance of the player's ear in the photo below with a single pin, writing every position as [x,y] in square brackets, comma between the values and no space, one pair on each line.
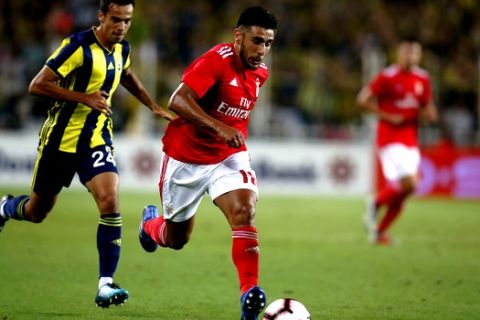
[238,36]
[101,16]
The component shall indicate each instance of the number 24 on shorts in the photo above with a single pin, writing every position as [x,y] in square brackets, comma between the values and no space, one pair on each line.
[101,156]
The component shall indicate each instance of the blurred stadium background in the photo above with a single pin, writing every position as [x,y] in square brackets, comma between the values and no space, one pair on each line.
[307,137]
[324,52]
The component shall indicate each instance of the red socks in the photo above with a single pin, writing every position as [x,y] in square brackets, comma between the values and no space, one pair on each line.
[245,255]
[156,229]
[393,211]
[245,252]
[387,194]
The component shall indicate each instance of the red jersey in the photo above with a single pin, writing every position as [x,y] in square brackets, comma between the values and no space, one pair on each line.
[227,91]
[403,92]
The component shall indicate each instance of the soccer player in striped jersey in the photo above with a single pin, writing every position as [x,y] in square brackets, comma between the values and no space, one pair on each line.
[204,150]
[80,78]
[398,96]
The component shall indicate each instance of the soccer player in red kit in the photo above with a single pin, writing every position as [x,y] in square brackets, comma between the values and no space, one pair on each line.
[398,95]
[204,150]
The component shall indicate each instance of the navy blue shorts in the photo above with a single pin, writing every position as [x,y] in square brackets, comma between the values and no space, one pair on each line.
[56,169]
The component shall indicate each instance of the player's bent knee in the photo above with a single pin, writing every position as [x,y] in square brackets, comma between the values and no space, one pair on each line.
[244,215]
[178,245]
[108,203]
[409,186]
[38,217]
[410,190]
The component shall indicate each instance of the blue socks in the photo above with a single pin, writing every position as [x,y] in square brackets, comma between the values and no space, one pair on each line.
[109,242]
[14,208]
[108,234]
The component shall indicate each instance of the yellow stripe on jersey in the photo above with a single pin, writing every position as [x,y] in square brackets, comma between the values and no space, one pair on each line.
[35,168]
[75,125]
[97,139]
[84,65]
[47,128]
[73,62]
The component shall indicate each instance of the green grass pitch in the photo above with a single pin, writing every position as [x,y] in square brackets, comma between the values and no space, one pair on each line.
[312,249]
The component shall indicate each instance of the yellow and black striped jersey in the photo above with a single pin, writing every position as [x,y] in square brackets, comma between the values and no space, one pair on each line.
[83,65]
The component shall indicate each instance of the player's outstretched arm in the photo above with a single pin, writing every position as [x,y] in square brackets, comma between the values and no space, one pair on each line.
[45,84]
[133,84]
[184,103]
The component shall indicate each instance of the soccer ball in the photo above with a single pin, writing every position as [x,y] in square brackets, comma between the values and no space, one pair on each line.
[286,309]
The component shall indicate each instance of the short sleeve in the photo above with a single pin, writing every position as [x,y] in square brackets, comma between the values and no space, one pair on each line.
[202,74]
[376,84]
[67,57]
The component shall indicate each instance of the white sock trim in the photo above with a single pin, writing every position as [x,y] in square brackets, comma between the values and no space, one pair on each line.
[2,214]
[103,281]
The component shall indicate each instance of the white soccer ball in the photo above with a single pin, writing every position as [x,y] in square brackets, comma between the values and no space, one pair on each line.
[286,309]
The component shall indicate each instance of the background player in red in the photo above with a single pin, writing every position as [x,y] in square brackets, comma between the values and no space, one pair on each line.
[398,96]
[204,150]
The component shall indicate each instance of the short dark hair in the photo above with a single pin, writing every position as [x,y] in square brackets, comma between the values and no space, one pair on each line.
[105,3]
[257,16]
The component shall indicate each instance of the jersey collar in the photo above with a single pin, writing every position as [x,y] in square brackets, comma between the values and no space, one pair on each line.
[94,30]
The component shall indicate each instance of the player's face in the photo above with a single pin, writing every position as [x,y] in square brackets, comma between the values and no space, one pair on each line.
[253,44]
[409,54]
[116,22]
